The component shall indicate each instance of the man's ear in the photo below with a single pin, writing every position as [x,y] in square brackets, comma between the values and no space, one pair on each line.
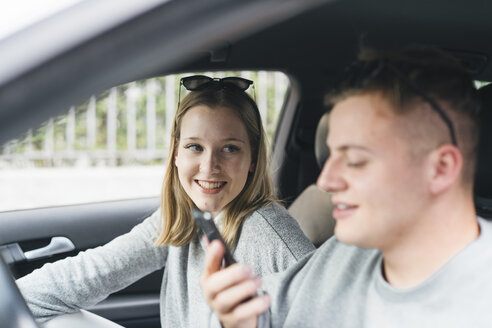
[445,167]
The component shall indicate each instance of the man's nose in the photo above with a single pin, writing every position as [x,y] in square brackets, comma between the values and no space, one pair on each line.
[330,179]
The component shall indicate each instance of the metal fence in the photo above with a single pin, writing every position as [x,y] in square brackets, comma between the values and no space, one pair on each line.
[126,125]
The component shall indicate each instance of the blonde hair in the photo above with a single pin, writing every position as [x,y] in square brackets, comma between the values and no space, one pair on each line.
[177,227]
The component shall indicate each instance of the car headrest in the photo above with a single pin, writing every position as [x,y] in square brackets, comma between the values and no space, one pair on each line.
[321,150]
[483,177]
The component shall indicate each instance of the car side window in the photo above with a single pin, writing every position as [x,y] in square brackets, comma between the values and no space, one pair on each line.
[113,146]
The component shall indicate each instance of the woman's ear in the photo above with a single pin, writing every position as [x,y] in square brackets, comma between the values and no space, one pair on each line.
[175,156]
[445,168]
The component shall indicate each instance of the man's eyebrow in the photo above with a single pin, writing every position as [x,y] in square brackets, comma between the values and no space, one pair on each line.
[344,148]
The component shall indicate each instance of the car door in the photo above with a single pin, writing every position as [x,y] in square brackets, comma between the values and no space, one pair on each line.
[34,237]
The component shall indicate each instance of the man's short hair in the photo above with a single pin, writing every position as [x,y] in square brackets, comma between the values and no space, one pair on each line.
[416,76]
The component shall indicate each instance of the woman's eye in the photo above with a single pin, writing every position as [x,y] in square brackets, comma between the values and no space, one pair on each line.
[194,147]
[231,148]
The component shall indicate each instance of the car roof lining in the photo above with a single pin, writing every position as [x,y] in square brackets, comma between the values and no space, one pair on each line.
[325,38]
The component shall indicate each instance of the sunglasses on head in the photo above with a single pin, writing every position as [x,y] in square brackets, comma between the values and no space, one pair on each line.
[361,73]
[199,82]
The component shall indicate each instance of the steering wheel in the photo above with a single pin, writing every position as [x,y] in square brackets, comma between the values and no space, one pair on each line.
[14,312]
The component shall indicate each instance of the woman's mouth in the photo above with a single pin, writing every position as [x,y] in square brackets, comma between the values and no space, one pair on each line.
[211,187]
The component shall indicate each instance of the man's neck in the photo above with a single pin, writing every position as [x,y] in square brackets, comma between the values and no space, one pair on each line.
[430,246]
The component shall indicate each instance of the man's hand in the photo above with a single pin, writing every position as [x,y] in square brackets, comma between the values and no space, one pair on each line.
[225,290]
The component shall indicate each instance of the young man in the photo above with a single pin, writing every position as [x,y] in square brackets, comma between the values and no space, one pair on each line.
[409,250]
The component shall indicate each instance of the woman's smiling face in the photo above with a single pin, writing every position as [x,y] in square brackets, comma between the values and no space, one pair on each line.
[213,156]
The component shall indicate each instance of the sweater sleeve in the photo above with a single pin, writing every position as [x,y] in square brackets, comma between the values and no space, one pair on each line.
[88,278]
[277,238]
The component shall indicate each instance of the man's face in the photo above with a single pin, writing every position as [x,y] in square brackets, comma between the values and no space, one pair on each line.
[378,188]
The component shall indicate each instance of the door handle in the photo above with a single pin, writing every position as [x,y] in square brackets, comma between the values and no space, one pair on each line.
[57,245]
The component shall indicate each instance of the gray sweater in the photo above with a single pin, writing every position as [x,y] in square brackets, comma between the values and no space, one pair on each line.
[343,286]
[270,241]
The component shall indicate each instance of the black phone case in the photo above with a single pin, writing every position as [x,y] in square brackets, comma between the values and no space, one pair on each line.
[206,223]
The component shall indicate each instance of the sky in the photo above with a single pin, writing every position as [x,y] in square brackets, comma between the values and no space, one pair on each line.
[15,15]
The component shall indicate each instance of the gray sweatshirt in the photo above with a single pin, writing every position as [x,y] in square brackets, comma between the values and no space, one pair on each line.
[343,286]
[270,241]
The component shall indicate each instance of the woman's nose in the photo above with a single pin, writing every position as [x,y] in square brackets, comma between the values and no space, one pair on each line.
[210,162]
[330,179]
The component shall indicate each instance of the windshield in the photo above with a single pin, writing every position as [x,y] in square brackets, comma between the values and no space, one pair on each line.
[15,16]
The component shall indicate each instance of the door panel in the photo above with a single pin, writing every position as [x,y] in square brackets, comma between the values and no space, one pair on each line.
[86,226]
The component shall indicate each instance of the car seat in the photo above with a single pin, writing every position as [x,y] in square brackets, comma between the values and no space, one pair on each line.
[313,207]
[483,177]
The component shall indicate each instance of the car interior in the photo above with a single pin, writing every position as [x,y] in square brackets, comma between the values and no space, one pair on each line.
[310,41]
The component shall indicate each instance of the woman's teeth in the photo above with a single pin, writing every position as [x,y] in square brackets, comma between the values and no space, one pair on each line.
[210,185]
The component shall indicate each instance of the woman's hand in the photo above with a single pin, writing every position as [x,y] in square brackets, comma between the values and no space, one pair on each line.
[225,290]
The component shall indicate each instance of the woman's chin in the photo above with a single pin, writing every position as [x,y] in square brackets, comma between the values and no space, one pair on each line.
[213,209]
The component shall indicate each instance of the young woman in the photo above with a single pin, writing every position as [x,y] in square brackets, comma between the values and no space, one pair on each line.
[218,163]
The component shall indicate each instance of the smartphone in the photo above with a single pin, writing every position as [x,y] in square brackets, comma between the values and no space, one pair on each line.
[205,222]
